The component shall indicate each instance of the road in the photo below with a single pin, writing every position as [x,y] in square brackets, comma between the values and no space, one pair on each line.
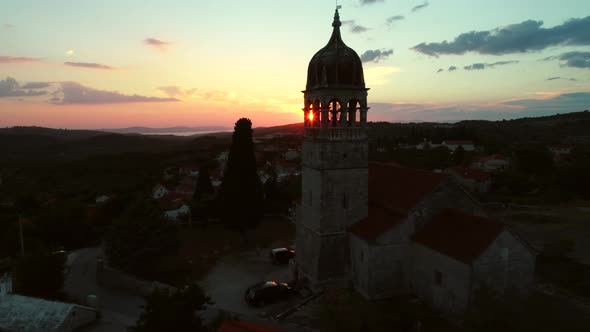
[227,281]
[118,309]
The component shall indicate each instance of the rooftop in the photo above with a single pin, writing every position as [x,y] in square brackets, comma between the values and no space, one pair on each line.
[459,235]
[29,314]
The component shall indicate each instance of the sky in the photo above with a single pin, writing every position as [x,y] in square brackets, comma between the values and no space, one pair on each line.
[114,63]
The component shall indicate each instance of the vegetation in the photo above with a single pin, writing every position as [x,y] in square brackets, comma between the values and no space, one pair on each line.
[141,237]
[241,190]
[40,275]
[511,312]
[174,311]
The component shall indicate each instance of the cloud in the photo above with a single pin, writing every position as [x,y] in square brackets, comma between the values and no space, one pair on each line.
[355,28]
[8,26]
[412,112]
[379,75]
[573,59]
[440,70]
[174,91]
[10,88]
[516,38]
[452,68]
[88,65]
[17,59]
[36,85]
[376,55]
[482,66]
[369,2]
[422,6]
[392,19]
[561,78]
[76,93]
[157,43]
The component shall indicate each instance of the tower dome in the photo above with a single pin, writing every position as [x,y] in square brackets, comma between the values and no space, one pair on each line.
[335,65]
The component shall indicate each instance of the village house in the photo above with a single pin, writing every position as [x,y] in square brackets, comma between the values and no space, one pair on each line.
[381,228]
[474,180]
[454,145]
[559,151]
[491,163]
[159,191]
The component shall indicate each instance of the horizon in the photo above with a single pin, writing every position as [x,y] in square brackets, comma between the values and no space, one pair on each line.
[206,64]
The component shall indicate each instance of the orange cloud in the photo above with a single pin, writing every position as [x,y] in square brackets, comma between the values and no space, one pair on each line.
[17,59]
[88,65]
[157,43]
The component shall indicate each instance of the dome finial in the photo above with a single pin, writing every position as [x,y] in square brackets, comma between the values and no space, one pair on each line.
[337,22]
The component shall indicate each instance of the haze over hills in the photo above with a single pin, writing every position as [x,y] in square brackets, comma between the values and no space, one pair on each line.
[167,130]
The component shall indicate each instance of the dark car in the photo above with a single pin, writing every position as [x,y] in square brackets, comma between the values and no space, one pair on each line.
[267,292]
[281,255]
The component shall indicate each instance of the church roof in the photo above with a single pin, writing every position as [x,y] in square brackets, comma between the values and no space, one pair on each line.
[399,188]
[335,65]
[393,192]
[459,235]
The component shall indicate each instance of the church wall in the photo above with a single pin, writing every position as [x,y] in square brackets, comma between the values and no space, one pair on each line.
[448,195]
[359,252]
[438,279]
[334,199]
[307,243]
[385,270]
[507,263]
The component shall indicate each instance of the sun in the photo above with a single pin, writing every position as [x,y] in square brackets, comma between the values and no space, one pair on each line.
[310,116]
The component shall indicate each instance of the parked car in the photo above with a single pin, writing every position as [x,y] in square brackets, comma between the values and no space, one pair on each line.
[268,292]
[281,255]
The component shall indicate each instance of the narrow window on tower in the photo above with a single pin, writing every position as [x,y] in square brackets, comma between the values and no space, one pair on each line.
[310,198]
[344,201]
[438,278]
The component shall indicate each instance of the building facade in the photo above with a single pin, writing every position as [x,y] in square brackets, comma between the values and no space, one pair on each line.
[381,228]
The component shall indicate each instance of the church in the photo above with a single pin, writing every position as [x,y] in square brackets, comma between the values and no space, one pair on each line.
[384,229]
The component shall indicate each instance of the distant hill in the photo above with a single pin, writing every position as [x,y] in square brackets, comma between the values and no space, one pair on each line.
[171,130]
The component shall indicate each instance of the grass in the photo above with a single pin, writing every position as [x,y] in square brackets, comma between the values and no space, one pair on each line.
[203,245]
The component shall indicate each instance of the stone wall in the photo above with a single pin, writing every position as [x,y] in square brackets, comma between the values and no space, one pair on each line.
[453,292]
[507,263]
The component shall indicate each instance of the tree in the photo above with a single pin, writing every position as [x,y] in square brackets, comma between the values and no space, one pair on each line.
[241,190]
[174,311]
[40,275]
[204,185]
[459,155]
[140,237]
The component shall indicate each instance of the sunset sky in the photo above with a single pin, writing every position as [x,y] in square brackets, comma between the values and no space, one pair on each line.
[115,63]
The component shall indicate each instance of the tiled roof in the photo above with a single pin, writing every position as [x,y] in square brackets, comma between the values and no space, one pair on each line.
[399,188]
[459,235]
[378,222]
[22,313]
[393,192]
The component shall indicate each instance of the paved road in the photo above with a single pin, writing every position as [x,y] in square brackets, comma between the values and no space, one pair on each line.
[119,310]
[227,281]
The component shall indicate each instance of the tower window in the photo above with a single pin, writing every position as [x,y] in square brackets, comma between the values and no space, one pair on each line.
[310,198]
[344,201]
[438,278]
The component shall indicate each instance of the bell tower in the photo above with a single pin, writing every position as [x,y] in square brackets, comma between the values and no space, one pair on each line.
[335,167]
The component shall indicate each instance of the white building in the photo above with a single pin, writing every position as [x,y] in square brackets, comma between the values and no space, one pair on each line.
[29,314]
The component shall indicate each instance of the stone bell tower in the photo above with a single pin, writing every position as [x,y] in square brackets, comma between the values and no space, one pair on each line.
[335,168]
